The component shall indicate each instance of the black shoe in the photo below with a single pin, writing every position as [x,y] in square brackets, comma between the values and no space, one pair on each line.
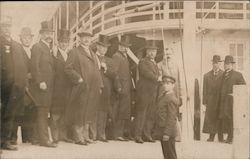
[81,143]
[229,141]
[139,140]
[49,144]
[103,140]
[68,140]
[13,142]
[150,139]
[210,140]
[121,139]
[8,146]
[89,141]
[55,142]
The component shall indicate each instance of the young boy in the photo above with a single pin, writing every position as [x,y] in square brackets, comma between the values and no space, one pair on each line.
[167,108]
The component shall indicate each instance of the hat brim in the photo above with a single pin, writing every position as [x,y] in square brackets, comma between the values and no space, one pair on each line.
[63,40]
[217,60]
[226,62]
[103,44]
[151,47]
[124,44]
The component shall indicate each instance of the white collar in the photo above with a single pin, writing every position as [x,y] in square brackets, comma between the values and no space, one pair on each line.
[45,42]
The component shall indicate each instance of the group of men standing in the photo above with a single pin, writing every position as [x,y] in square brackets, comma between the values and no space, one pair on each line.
[218,98]
[80,90]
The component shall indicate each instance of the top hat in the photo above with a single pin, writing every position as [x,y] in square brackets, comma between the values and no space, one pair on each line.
[26,31]
[64,35]
[167,78]
[125,41]
[84,32]
[151,44]
[229,59]
[103,40]
[216,59]
[6,21]
[46,26]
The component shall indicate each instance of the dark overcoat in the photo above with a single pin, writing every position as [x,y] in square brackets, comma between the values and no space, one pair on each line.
[226,99]
[83,102]
[42,70]
[211,88]
[62,86]
[167,110]
[109,78]
[13,77]
[121,65]
[147,85]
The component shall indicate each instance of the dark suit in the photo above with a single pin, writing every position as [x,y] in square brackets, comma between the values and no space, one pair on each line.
[226,100]
[60,99]
[13,83]
[167,110]
[211,88]
[83,98]
[122,110]
[146,97]
[42,70]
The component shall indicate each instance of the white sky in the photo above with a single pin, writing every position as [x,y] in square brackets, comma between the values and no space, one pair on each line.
[29,14]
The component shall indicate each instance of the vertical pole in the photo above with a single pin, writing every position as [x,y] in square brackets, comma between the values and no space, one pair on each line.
[192,68]
[60,16]
[67,14]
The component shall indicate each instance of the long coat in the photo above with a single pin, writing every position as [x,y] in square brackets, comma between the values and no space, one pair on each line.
[211,88]
[83,99]
[42,70]
[109,78]
[121,65]
[62,86]
[13,77]
[147,85]
[167,110]
[226,99]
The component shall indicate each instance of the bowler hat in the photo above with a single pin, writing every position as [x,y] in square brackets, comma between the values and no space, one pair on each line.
[216,59]
[26,31]
[5,21]
[167,78]
[229,59]
[64,35]
[151,44]
[84,32]
[125,41]
[46,26]
[103,40]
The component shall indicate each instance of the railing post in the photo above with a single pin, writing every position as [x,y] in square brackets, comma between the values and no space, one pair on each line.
[241,122]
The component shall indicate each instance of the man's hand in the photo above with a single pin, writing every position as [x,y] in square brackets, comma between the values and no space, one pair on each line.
[159,79]
[119,90]
[165,138]
[104,66]
[80,80]
[43,86]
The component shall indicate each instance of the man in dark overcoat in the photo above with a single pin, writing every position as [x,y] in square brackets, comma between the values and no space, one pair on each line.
[26,115]
[122,110]
[109,78]
[229,79]
[42,71]
[211,84]
[82,69]
[13,82]
[61,91]
[147,87]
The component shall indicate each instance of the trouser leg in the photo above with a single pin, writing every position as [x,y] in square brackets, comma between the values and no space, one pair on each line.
[42,123]
[78,133]
[93,129]
[119,128]
[148,127]
[168,149]
[139,122]
[27,124]
[54,125]
[101,125]
[85,131]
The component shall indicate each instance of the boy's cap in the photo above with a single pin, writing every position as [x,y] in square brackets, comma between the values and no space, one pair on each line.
[167,78]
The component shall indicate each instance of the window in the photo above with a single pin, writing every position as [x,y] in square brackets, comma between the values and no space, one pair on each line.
[111,4]
[63,15]
[175,5]
[230,16]
[233,6]
[208,16]
[237,51]
[96,11]
[139,18]
[204,5]
[176,15]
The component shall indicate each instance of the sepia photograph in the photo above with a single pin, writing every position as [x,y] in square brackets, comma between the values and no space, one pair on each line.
[125,79]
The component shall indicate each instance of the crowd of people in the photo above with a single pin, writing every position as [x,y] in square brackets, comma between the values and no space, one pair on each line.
[84,96]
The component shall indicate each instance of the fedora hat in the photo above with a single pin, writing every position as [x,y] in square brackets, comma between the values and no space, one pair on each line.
[84,32]
[64,35]
[46,26]
[5,21]
[229,59]
[151,44]
[26,31]
[125,41]
[103,40]
[216,59]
